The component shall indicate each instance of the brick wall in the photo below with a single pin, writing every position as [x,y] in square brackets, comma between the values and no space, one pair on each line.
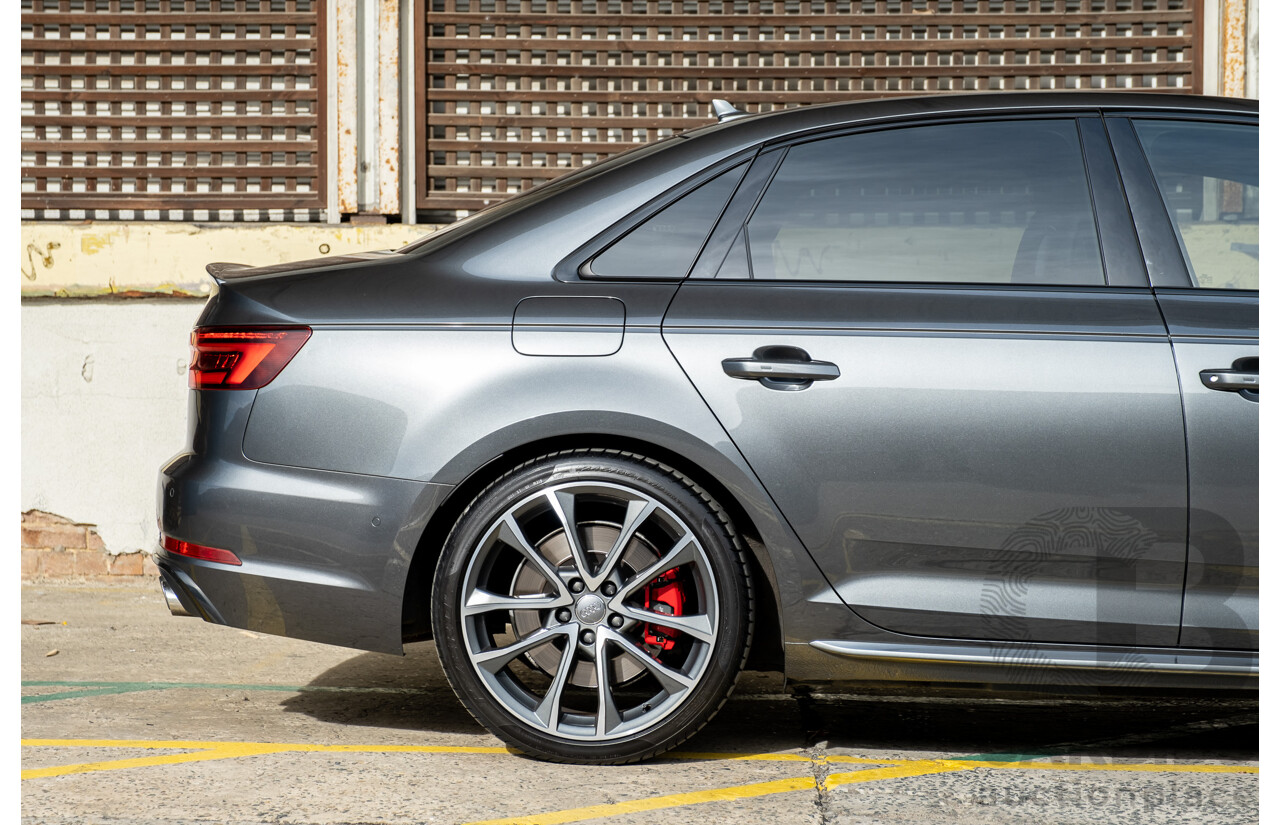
[57,548]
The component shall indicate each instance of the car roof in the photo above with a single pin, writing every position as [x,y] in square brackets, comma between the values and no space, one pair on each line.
[787,123]
[516,238]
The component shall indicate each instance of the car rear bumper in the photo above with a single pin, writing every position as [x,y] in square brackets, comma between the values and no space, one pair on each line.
[324,555]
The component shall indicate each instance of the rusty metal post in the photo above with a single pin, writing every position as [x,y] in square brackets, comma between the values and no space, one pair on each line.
[388,88]
[347,107]
[333,201]
[408,90]
[368,91]
[1252,49]
[1234,27]
[368,116]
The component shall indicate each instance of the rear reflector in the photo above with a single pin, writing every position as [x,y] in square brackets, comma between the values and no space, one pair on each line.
[199,551]
[241,358]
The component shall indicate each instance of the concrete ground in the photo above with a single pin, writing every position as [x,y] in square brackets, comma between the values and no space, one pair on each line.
[132,716]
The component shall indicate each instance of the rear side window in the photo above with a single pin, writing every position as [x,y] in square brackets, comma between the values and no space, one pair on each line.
[665,245]
[1208,177]
[997,202]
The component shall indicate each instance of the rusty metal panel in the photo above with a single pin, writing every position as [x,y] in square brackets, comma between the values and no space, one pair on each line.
[186,109]
[512,92]
[389,107]
[1234,47]
[368,98]
[345,85]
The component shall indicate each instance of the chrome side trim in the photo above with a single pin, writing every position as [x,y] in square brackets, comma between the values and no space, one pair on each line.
[1224,663]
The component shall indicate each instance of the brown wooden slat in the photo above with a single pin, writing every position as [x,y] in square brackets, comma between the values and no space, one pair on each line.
[169,95]
[765,47]
[599,122]
[174,46]
[776,72]
[149,146]
[729,21]
[550,147]
[193,18]
[308,70]
[464,200]
[630,97]
[520,172]
[172,200]
[160,121]
[291,170]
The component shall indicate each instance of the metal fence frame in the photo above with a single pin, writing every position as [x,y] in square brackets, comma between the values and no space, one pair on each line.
[512,92]
[143,119]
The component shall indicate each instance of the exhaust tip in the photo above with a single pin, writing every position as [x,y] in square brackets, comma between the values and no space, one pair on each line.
[172,600]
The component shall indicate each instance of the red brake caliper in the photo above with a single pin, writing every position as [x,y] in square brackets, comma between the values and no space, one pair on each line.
[663,595]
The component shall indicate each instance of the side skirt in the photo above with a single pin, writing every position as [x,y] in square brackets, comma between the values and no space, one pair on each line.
[1023,664]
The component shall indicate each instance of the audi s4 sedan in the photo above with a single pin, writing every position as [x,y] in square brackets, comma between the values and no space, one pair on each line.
[956,389]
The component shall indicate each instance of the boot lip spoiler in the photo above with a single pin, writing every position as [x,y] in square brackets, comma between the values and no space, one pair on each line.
[220,271]
[224,272]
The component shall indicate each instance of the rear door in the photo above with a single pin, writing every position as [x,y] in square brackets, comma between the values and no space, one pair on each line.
[967,411]
[1194,184]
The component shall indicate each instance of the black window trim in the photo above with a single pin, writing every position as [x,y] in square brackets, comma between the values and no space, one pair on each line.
[775,150]
[577,265]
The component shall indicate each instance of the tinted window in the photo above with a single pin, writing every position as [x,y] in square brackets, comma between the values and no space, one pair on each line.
[1003,202]
[665,245]
[1208,177]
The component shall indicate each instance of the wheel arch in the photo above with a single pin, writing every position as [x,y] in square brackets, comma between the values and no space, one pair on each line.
[767,651]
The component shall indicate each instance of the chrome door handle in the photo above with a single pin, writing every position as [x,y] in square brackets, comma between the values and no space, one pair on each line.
[1242,376]
[780,368]
[1229,380]
[751,369]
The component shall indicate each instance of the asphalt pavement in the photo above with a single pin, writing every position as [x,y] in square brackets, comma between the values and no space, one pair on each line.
[133,717]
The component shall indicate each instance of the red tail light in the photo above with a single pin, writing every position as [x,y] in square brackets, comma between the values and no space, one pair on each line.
[199,551]
[243,358]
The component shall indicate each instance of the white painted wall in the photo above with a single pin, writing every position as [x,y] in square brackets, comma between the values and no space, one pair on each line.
[104,404]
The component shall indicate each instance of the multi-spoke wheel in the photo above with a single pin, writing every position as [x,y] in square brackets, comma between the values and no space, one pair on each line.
[592,607]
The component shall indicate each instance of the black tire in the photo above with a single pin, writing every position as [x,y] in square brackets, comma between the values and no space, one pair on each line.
[531,620]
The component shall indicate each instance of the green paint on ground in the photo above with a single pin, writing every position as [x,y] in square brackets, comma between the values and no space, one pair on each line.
[1003,757]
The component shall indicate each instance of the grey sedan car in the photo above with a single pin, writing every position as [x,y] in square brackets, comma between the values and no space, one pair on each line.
[957,389]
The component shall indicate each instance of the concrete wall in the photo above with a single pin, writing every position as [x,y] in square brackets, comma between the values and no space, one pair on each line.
[104,403]
[92,258]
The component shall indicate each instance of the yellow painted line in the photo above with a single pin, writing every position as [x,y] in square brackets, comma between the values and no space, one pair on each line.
[803,783]
[919,767]
[1145,767]
[399,749]
[656,803]
[226,752]
[778,757]
[210,751]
